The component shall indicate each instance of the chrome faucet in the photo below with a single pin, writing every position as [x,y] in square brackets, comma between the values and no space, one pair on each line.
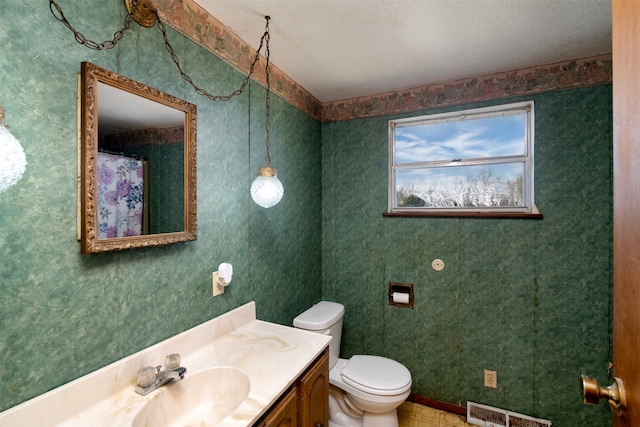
[150,378]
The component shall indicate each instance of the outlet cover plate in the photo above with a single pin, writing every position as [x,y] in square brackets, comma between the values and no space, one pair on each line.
[218,289]
[490,378]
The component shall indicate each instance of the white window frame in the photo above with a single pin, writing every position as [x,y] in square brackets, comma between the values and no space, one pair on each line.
[527,158]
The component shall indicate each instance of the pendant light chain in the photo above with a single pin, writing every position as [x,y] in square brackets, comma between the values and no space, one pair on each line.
[267,125]
[200,90]
[109,44]
[80,38]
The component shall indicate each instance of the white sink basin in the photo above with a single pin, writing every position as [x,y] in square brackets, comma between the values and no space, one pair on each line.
[201,399]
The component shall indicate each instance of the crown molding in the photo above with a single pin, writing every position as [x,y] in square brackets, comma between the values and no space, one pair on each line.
[195,23]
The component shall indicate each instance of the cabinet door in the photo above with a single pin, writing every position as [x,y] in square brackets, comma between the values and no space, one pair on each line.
[285,413]
[314,394]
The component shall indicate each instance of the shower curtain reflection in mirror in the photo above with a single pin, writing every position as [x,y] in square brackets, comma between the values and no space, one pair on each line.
[121,196]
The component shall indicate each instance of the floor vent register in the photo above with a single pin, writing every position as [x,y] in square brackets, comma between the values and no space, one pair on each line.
[488,416]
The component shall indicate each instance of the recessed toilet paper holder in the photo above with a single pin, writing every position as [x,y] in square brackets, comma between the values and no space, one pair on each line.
[401,291]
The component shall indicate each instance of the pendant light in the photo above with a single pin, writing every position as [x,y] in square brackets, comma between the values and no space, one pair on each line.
[266,189]
[12,158]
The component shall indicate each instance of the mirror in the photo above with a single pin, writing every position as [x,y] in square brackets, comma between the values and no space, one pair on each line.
[137,164]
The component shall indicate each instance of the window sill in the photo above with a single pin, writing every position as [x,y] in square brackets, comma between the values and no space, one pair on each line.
[466,214]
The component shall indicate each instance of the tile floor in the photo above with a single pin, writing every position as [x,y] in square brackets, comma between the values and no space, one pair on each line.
[415,415]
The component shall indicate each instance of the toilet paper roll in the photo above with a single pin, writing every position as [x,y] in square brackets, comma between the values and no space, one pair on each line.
[401,297]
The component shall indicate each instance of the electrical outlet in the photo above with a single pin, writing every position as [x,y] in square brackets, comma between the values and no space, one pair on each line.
[490,378]
[217,287]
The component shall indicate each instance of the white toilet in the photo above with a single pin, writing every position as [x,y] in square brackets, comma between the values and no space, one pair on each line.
[364,390]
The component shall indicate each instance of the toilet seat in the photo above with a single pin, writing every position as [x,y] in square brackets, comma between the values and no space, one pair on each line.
[376,375]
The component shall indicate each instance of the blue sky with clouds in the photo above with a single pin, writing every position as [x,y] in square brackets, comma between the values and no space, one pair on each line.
[461,139]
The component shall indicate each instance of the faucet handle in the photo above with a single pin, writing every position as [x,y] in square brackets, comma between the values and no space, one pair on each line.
[172,361]
[146,376]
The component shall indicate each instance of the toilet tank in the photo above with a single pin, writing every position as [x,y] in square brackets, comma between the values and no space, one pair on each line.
[324,318]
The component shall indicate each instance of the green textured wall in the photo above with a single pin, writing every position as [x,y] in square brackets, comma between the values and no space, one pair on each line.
[530,299]
[64,314]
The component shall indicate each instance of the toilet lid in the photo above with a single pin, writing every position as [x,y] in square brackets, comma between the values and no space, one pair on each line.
[376,375]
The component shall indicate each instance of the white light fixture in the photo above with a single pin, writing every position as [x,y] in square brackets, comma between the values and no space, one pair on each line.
[266,189]
[12,158]
[225,273]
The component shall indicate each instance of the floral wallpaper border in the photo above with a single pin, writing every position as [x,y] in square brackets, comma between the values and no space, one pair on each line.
[563,75]
[188,18]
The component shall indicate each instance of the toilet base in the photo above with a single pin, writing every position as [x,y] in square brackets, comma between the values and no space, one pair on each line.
[342,413]
[388,419]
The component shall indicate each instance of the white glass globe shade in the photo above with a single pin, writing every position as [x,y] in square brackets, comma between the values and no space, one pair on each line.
[12,159]
[266,191]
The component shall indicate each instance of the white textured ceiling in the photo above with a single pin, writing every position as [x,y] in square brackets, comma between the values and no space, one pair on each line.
[339,49]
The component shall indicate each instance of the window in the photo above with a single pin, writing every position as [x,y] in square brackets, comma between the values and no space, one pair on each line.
[471,161]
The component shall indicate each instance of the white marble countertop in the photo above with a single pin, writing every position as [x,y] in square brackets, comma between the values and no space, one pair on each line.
[272,356]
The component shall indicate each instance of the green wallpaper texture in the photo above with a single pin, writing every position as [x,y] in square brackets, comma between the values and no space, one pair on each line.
[64,314]
[528,298]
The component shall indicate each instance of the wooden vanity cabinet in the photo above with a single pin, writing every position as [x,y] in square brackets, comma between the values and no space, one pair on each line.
[313,388]
[306,403]
[284,413]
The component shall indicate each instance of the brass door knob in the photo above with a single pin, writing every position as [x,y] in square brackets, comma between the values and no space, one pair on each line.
[615,395]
